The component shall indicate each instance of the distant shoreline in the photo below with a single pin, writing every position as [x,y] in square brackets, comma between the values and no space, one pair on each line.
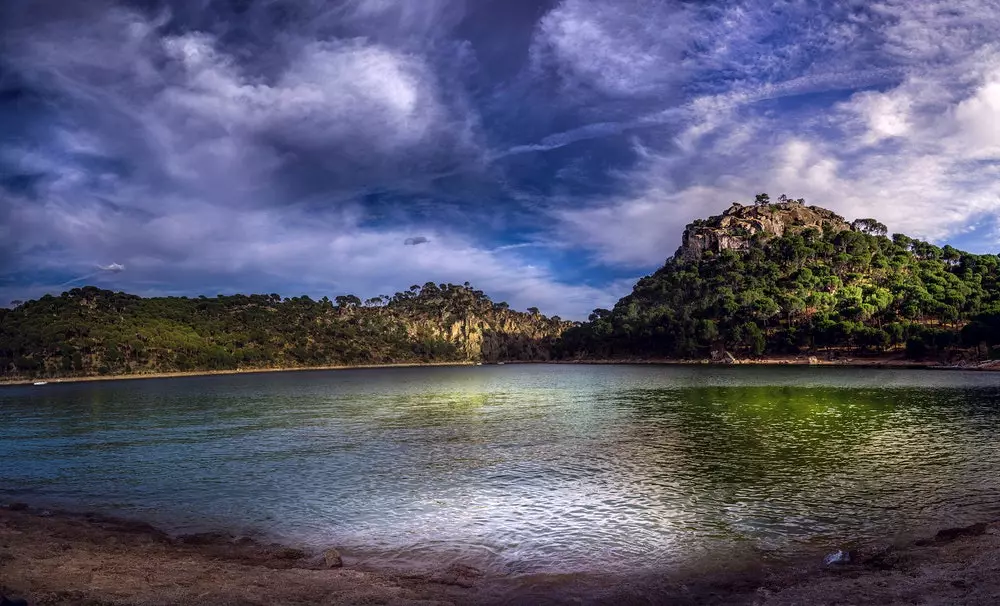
[862,362]
[207,373]
[874,362]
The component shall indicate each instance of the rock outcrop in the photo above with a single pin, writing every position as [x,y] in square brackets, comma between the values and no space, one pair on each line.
[737,226]
[332,558]
[494,335]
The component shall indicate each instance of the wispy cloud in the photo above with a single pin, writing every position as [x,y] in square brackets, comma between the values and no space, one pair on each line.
[913,142]
[293,146]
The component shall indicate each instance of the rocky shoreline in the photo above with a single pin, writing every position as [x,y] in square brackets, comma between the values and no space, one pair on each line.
[891,362]
[49,558]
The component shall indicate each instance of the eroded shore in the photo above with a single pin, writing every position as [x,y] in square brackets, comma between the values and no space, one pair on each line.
[64,558]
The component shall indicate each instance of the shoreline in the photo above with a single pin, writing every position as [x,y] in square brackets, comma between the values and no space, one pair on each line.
[59,557]
[209,373]
[893,362]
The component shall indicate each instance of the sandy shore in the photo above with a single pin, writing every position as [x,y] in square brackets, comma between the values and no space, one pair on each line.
[892,361]
[208,373]
[62,558]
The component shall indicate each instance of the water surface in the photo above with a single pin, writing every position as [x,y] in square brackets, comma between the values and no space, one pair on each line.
[521,468]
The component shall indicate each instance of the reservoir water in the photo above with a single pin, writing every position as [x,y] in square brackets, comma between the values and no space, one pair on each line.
[521,468]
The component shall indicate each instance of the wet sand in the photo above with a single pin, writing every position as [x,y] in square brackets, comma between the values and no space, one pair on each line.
[65,558]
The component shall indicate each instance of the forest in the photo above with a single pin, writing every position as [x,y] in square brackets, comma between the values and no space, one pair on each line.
[770,278]
[781,277]
[88,331]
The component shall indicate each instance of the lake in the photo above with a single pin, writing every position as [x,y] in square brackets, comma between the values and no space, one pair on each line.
[521,468]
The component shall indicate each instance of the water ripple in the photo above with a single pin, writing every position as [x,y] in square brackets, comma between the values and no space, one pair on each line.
[521,469]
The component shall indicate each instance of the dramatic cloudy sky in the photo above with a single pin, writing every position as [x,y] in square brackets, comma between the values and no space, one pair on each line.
[547,152]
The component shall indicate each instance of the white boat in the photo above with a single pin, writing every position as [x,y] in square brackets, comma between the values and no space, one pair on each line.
[41,383]
[499,363]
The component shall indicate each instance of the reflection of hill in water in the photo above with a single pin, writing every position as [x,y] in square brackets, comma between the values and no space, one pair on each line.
[783,461]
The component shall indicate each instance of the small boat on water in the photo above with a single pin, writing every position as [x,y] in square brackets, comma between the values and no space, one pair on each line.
[41,383]
[499,363]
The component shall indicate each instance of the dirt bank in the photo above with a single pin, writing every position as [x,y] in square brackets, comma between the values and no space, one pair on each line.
[61,558]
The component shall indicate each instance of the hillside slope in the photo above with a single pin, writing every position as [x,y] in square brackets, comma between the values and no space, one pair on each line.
[88,331]
[786,278]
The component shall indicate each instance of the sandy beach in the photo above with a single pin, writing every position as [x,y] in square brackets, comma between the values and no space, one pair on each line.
[53,558]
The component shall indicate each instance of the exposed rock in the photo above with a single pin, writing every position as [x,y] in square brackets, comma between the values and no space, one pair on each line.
[502,335]
[723,357]
[734,229]
[458,575]
[332,558]
[837,558]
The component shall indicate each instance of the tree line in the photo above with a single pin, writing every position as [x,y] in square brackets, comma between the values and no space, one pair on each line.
[88,331]
[855,290]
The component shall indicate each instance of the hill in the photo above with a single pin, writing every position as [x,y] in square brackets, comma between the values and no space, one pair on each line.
[783,277]
[88,331]
[768,278]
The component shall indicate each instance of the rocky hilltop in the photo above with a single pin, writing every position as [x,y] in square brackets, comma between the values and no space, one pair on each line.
[805,281]
[737,227]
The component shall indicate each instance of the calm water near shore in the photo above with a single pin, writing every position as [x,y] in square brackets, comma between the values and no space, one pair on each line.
[521,468]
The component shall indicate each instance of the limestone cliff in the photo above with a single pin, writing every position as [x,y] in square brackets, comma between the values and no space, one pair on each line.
[737,227]
[493,335]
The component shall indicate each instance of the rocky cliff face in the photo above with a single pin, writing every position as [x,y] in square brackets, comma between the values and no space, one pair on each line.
[490,337]
[736,227]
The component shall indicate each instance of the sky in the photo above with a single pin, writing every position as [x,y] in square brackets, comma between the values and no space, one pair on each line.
[550,153]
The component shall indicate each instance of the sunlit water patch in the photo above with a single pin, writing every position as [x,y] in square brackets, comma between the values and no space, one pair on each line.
[521,469]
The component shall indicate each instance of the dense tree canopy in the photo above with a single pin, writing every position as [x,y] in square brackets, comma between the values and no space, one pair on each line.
[804,290]
[756,280]
[91,331]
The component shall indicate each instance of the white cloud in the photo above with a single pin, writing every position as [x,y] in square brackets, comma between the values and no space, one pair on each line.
[977,118]
[205,207]
[886,115]
[623,48]
[329,254]
[195,162]
[330,93]
[918,152]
